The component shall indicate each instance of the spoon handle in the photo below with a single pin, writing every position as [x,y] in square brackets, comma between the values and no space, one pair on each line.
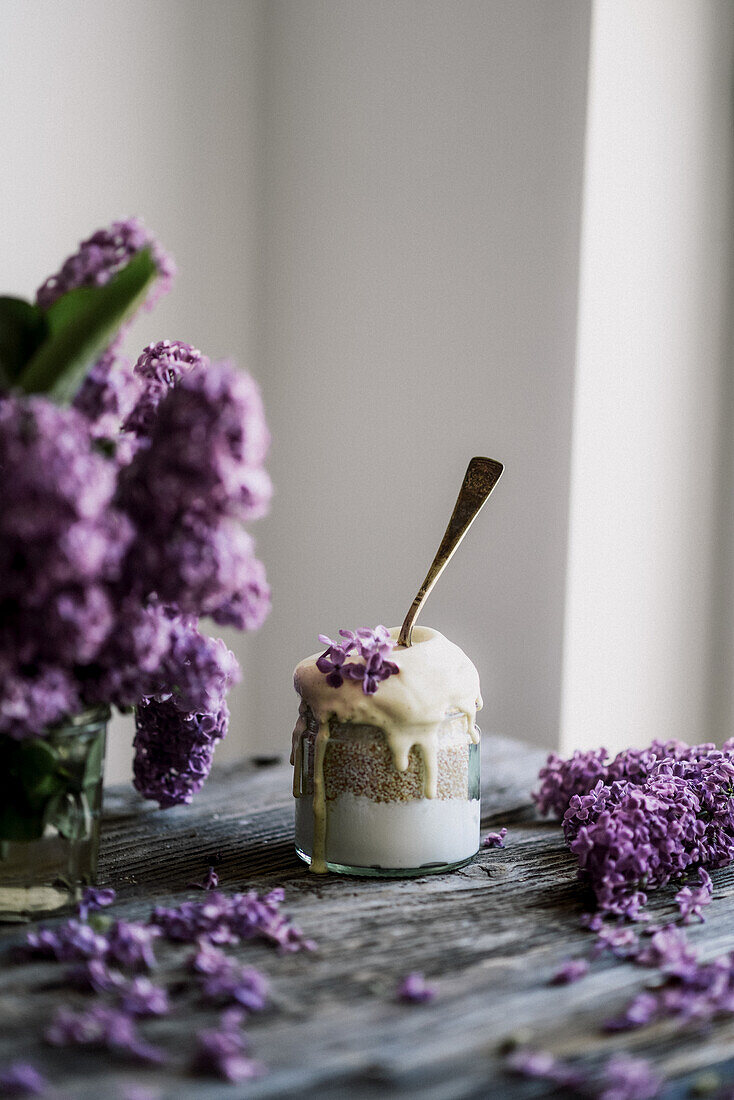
[482,474]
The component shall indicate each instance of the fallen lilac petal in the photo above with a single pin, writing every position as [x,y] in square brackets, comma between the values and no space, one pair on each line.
[22,1079]
[627,1078]
[94,899]
[414,989]
[570,971]
[209,882]
[495,840]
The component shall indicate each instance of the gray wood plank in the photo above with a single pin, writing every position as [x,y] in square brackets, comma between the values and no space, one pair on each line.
[489,935]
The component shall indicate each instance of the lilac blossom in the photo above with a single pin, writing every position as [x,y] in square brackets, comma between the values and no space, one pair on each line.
[107,395]
[414,989]
[95,898]
[142,998]
[691,899]
[174,750]
[209,882]
[221,919]
[632,836]
[542,1065]
[101,256]
[495,840]
[373,646]
[159,367]
[627,1078]
[570,971]
[22,1079]
[223,1053]
[101,1027]
[233,983]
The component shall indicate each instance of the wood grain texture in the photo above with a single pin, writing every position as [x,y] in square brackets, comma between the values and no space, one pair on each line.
[490,936]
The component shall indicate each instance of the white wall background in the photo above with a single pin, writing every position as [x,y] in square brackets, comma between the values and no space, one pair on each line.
[377,209]
[651,574]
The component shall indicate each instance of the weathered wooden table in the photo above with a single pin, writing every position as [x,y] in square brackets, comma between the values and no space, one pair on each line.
[490,936]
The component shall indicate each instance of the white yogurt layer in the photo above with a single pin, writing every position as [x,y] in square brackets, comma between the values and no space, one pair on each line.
[392,835]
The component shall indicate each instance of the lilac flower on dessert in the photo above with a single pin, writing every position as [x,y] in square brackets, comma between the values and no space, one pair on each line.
[371,673]
[101,256]
[372,645]
[101,1027]
[414,989]
[495,840]
[570,971]
[22,1079]
[331,662]
[691,899]
[627,1078]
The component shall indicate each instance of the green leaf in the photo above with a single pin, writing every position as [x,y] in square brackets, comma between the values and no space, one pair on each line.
[82,324]
[23,328]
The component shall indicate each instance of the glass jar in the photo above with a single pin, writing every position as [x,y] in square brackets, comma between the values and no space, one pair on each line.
[50,806]
[378,820]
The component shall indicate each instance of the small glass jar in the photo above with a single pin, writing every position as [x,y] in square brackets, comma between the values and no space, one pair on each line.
[50,806]
[378,820]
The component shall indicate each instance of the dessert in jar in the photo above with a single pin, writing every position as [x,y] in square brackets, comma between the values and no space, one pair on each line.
[386,755]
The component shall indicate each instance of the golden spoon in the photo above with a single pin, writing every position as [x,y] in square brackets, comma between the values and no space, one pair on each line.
[482,474]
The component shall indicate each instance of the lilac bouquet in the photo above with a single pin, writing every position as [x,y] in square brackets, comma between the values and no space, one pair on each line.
[123,494]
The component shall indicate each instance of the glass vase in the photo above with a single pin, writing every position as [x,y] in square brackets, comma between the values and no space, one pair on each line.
[50,806]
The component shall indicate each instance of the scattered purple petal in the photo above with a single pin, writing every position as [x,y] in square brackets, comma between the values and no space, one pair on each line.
[220,920]
[570,971]
[222,1053]
[414,989]
[495,840]
[94,899]
[209,882]
[22,1079]
[627,1078]
[103,1028]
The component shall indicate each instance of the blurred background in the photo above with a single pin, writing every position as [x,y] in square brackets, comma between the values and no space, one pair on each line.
[433,229]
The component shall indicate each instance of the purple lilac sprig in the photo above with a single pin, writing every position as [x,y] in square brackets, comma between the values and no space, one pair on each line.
[373,646]
[644,819]
[101,256]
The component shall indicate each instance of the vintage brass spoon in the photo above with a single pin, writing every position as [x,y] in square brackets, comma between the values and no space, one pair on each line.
[482,474]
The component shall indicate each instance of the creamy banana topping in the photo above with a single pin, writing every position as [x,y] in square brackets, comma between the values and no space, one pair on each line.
[436,678]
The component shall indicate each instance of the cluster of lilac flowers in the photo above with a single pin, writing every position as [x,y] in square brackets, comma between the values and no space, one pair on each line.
[221,919]
[644,819]
[110,554]
[112,960]
[373,646]
[495,840]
